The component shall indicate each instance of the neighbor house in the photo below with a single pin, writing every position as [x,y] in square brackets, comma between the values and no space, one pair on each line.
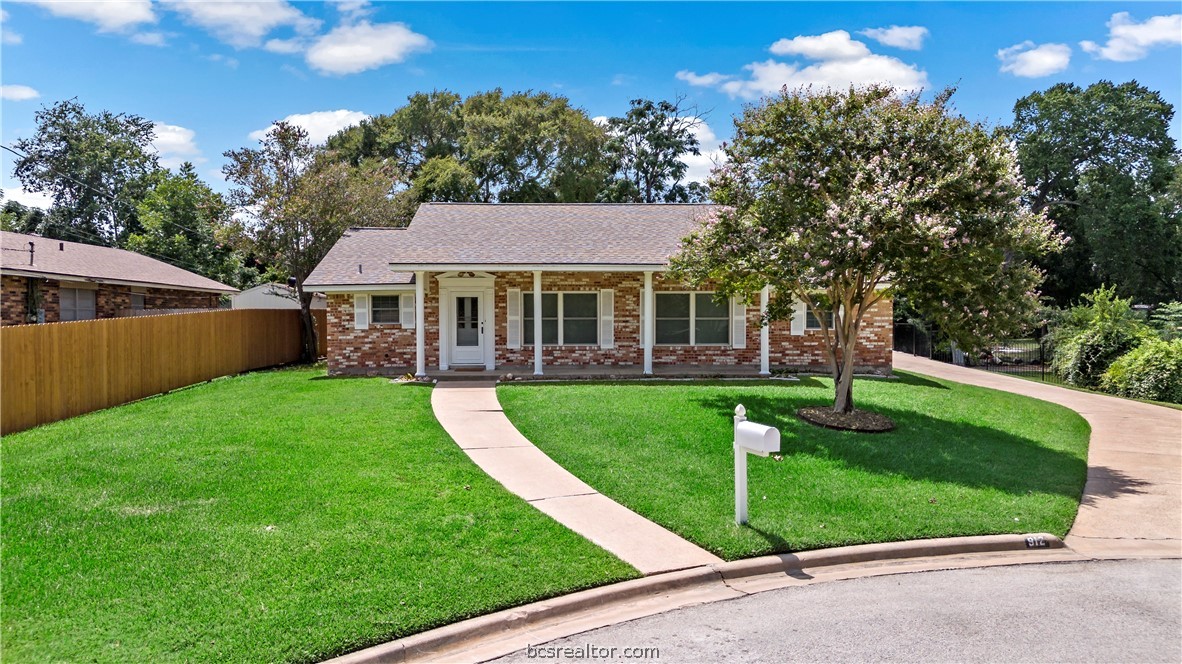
[461,288]
[48,281]
[273,296]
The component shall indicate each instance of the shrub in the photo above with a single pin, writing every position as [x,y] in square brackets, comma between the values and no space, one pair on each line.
[1094,335]
[1151,371]
[1167,320]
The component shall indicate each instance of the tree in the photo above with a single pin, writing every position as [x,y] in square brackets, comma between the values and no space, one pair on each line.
[95,166]
[525,148]
[646,146]
[1099,162]
[20,218]
[296,201]
[841,199]
[184,222]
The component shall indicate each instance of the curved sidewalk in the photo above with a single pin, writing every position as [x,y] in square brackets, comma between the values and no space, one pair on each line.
[1132,502]
[472,416]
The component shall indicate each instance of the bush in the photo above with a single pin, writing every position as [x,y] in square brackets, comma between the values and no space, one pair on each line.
[1151,371]
[1090,337]
[1167,320]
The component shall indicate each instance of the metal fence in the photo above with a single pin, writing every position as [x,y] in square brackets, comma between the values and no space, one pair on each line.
[1028,357]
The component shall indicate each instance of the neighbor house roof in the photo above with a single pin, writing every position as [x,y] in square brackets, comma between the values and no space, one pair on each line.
[58,259]
[451,235]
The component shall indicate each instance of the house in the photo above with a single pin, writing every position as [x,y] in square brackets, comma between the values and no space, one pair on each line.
[47,281]
[273,296]
[461,287]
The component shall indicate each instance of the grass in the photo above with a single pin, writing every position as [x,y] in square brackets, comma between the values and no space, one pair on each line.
[275,516]
[962,461]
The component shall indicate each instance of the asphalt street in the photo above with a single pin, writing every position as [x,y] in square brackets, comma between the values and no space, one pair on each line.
[1111,611]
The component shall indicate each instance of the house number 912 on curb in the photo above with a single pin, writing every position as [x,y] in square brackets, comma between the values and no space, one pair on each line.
[1036,542]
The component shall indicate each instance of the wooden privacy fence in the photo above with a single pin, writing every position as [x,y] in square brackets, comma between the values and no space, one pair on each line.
[59,370]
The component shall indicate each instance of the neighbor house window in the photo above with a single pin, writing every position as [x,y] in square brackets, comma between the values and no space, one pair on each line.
[385,308]
[568,319]
[137,301]
[693,319]
[76,303]
[812,323]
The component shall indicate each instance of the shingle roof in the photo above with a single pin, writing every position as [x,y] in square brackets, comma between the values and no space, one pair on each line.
[510,234]
[59,258]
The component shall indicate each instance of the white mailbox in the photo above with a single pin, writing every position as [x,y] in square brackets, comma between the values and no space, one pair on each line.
[757,438]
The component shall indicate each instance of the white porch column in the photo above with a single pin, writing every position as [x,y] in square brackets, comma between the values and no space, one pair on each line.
[650,323]
[764,364]
[537,322]
[420,325]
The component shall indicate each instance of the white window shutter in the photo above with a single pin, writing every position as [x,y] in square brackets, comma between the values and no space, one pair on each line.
[607,318]
[407,314]
[798,317]
[513,318]
[360,311]
[738,323]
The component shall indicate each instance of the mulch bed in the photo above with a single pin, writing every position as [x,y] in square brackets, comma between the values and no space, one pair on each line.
[862,421]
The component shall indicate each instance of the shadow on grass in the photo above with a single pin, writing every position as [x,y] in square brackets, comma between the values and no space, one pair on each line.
[920,448]
[918,381]
[674,382]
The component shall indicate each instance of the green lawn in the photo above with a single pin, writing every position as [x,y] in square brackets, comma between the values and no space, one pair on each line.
[268,517]
[963,460]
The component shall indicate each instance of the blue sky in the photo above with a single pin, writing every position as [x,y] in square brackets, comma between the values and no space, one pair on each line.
[211,73]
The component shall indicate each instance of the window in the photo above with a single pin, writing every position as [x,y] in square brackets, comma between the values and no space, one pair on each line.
[137,301]
[812,323]
[691,319]
[76,303]
[384,308]
[567,318]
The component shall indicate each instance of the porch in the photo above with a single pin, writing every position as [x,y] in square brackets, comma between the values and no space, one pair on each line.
[602,372]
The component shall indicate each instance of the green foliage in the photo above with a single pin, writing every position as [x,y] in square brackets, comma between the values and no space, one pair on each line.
[1102,165]
[19,218]
[524,147]
[1094,335]
[829,196]
[96,167]
[1152,371]
[646,147]
[1166,319]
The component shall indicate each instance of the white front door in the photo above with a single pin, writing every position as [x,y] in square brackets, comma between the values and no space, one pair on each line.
[467,346]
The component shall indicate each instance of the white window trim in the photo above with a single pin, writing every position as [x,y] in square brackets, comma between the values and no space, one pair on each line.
[397,308]
[693,320]
[561,318]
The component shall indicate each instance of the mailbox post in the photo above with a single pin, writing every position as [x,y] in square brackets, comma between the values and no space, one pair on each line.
[750,438]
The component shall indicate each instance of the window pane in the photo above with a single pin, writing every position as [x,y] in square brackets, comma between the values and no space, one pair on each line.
[580,331]
[707,307]
[137,301]
[673,331]
[527,305]
[385,308]
[711,331]
[86,305]
[549,305]
[66,297]
[811,322]
[580,305]
[549,330]
[673,305]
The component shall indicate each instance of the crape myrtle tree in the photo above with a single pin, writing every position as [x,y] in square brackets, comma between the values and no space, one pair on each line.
[841,199]
[293,203]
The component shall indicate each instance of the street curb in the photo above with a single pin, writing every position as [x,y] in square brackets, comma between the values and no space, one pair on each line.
[523,618]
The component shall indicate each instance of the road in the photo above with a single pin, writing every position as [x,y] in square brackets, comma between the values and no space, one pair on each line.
[1112,611]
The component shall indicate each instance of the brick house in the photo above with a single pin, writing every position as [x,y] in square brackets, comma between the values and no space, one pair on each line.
[459,287]
[48,281]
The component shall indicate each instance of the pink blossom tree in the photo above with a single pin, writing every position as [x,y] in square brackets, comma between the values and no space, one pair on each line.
[841,199]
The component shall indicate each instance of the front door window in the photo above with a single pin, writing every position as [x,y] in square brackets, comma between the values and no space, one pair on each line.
[467,321]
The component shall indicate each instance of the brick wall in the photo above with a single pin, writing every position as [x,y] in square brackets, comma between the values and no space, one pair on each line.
[109,299]
[390,349]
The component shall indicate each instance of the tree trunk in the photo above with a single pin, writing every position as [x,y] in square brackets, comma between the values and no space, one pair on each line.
[843,393]
[308,328]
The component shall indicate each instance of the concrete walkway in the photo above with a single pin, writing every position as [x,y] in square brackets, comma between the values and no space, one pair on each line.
[472,416]
[1132,502]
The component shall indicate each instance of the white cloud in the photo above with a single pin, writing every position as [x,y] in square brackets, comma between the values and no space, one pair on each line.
[149,38]
[700,165]
[1129,40]
[835,45]
[319,124]
[243,24]
[109,16]
[8,36]
[1030,61]
[18,93]
[285,46]
[702,80]
[232,63]
[908,37]
[175,145]
[600,120]
[353,10]
[350,49]
[841,62]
